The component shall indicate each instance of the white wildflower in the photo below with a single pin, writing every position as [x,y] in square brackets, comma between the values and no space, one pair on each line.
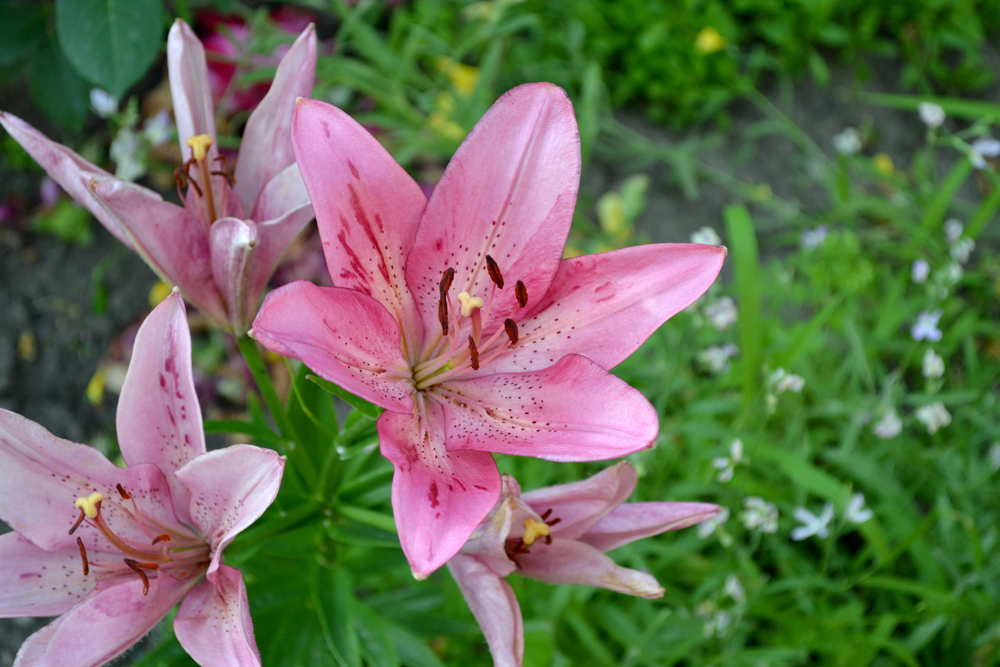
[726,465]
[812,524]
[933,365]
[734,589]
[814,238]
[931,114]
[707,236]
[926,327]
[722,313]
[104,103]
[717,624]
[716,358]
[982,149]
[847,142]
[920,270]
[934,416]
[889,426]
[706,528]
[125,152]
[961,249]
[157,129]
[760,514]
[856,511]
[783,381]
[953,230]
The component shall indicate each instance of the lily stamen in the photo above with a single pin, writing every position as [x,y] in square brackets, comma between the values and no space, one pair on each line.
[139,568]
[83,556]
[200,144]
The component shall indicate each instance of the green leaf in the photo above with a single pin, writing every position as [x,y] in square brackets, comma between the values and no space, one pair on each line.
[938,206]
[739,228]
[361,405]
[68,221]
[376,644]
[57,89]
[332,593]
[110,42]
[22,30]
[241,427]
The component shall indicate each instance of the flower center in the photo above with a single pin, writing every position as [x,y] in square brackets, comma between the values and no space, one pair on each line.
[200,144]
[533,530]
[179,554]
[454,355]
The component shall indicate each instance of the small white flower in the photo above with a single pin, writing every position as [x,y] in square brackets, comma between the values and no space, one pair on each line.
[812,524]
[847,142]
[706,528]
[717,625]
[716,358]
[125,152]
[707,236]
[961,249]
[759,514]
[726,465]
[722,313]
[933,365]
[951,274]
[953,230]
[920,270]
[734,589]
[856,511]
[934,416]
[103,102]
[982,149]
[889,426]
[926,327]
[157,129]
[736,451]
[931,114]
[994,456]
[784,381]
[814,238]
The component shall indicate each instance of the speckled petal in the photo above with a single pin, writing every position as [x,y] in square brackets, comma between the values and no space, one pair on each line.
[572,411]
[438,497]
[635,521]
[214,625]
[103,625]
[572,562]
[495,607]
[509,192]
[579,505]
[344,336]
[230,489]
[34,582]
[159,418]
[605,306]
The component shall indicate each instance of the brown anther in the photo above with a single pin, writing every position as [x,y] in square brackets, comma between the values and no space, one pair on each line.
[511,327]
[138,568]
[161,538]
[446,280]
[548,539]
[474,354]
[180,177]
[521,292]
[79,520]
[190,181]
[494,271]
[83,556]
[546,514]
[553,522]
[443,313]
[124,494]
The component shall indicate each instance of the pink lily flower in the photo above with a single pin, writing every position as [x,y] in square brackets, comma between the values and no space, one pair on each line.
[458,316]
[560,534]
[112,550]
[222,245]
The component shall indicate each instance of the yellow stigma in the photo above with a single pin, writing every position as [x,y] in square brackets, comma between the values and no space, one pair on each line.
[533,530]
[469,303]
[199,145]
[89,504]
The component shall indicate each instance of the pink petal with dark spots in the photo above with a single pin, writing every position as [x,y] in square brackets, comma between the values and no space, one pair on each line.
[34,582]
[509,192]
[572,411]
[438,497]
[214,625]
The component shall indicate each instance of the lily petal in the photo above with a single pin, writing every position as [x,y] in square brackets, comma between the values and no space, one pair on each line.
[66,167]
[234,245]
[572,411]
[487,543]
[635,521]
[367,208]
[438,497]
[343,335]
[495,607]
[266,148]
[284,192]
[169,238]
[41,476]
[230,488]
[214,625]
[103,625]
[580,505]
[159,418]
[572,562]
[194,112]
[34,582]
[509,192]
[605,306]
[285,197]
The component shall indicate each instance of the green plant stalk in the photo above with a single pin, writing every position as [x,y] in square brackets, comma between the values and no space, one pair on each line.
[270,529]
[263,379]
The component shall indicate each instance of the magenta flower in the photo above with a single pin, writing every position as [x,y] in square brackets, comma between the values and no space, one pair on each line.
[222,245]
[458,316]
[112,550]
[560,534]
